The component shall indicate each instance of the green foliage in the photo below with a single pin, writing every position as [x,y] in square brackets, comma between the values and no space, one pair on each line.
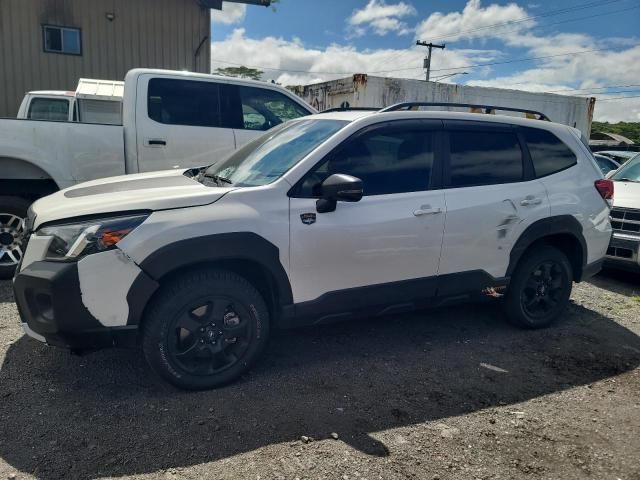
[242,72]
[631,130]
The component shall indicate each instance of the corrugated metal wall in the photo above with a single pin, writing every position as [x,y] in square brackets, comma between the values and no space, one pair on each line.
[143,33]
[369,91]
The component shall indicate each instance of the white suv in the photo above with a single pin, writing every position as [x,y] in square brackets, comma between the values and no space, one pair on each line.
[324,218]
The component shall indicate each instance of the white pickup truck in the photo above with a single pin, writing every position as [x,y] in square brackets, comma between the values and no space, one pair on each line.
[94,101]
[169,120]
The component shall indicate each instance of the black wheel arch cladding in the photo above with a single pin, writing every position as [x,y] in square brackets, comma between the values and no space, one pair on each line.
[548,228]
[222,247]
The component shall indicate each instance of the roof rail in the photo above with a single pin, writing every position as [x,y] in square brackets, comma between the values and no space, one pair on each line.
[486,108]
[351,109]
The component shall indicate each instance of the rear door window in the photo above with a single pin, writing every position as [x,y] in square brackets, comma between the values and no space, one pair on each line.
[548,153]
[56,109]
[484,158]
[184,102]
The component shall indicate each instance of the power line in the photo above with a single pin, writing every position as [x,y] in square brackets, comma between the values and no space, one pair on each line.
[525,19]
[581,89]
[527,59]
[609,93]
[617,98]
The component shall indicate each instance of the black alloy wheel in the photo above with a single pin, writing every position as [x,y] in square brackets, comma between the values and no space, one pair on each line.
[210,335]
[204,328]
[540,288]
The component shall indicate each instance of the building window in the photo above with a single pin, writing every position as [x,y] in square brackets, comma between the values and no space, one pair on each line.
[61,40]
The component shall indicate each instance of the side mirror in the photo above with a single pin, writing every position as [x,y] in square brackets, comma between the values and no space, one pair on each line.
[338,188]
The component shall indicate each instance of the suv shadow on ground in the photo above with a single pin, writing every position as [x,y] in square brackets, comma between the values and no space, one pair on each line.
[106,415]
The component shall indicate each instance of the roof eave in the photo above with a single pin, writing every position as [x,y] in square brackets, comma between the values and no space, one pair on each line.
[217,4]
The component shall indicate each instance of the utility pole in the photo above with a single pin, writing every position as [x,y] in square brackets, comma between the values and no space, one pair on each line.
[427,60]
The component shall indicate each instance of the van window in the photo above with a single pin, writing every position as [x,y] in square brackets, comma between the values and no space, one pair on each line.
[263,108]
[184,102]
[56,109]
[484,158]
[548,153]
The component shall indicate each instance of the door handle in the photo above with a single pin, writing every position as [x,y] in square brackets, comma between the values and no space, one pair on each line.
[156,142]
[529,201]
[426,210]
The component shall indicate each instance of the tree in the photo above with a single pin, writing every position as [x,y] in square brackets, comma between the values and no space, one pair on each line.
[242,72]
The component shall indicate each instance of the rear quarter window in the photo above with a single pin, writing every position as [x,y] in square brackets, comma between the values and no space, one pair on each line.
[548,153]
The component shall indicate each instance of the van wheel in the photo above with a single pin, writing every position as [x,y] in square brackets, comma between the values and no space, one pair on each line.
[540,288]
[204,329]
[13,212]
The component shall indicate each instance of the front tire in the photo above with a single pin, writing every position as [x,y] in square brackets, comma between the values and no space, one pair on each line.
[13,212]
[204,329]
[540,288]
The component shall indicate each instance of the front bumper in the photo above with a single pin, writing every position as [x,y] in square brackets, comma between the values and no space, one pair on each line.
[50,304]
[624,251]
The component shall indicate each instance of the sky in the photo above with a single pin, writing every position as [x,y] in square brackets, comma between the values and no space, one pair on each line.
[588,47]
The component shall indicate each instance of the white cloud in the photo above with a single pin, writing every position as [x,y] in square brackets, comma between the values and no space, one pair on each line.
[231,13]
[474,22]
[381,17]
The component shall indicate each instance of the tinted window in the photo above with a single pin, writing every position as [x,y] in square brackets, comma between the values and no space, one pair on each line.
[61,40]
[263,109]
[387,160]
[184,102]
[548,153]
[484,158]
[49,109]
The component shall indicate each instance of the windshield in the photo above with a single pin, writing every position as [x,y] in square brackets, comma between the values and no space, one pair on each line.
[267,158]
[630,171]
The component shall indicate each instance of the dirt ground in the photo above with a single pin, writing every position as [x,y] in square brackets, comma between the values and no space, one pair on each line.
[452,393]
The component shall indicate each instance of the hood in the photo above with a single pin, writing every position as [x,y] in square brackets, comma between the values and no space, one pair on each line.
[146,191]
[626,194]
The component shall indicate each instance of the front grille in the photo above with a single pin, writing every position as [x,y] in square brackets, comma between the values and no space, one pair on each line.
[625,220]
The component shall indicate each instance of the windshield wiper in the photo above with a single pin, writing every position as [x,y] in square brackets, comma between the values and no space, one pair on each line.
[625,179]
[217,178]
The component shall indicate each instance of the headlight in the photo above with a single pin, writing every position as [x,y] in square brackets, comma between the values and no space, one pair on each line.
[76,240]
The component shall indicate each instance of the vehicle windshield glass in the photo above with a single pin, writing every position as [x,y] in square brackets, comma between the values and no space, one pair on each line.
[630,171]
[268,157]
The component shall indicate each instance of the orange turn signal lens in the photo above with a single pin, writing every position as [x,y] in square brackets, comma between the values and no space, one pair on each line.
[110,237]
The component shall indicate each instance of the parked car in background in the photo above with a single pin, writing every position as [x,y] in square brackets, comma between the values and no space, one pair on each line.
[624,250]
[605,163]
[328,217]
[620,157]
[94,101]
[170,120]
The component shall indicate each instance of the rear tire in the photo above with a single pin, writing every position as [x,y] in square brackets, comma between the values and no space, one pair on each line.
[204,329]
[540,288]
[13,212]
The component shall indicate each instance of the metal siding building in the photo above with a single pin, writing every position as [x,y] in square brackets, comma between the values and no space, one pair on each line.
[368,91]
[115,36]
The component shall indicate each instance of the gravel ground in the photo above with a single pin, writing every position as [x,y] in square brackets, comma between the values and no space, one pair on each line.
[450,394]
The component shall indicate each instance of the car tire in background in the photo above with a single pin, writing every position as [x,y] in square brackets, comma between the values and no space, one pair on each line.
[204,329]
[13,211]
[540,288]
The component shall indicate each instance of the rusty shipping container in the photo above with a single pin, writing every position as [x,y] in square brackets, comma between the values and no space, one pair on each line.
[363,90]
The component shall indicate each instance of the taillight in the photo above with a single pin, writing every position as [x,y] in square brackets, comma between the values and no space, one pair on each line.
[605,189]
